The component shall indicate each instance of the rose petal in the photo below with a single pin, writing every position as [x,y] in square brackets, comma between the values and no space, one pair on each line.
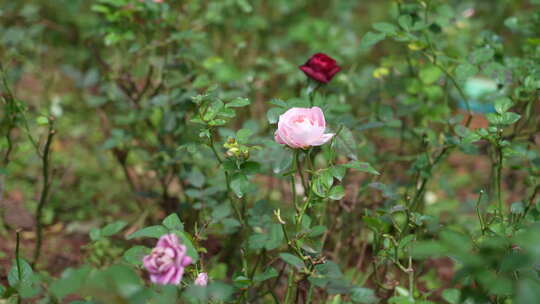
[323,139]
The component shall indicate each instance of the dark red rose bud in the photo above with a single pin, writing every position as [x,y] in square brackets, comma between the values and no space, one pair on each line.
[320,67]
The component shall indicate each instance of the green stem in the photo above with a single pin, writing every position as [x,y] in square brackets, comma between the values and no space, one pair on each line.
[299,168]
[304,209]
[310,294]
[18,261]
[531,201]
[290,244]
[290,286]
[410,271]
[457,86]
[498,185]
[311,93]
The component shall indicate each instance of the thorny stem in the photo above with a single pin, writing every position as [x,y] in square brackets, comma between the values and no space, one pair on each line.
[45,190]
[307,188]
[290,244]
[479,214]
[423,184]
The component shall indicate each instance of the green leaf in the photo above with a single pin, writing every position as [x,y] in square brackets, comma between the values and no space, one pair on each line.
[327,178]
[196,178]
[149,232]
[27,285]
[465,71]
[238,102]
[346,143]
[213,110]
[278,102]
[269,273]
[239,185]
[337,193]
[95,234]
[451,295]
[405,21]
[370,39]
[291,259]
[494,118]
[25,273]
[250,167]
[374,223]
[503,104]
[42,120]
[363,295]
[243,135]
[113,228]
[319,187]
[517,208]
[191,250]
[428,249]
[242,282]
[315,231]
[217,122]
[275,237]
[361,166]
[338,172]
[386,28]
[70,282]
[135,254]
[273,115]
[430,74]
[509,118]
[482,55]
[173,222]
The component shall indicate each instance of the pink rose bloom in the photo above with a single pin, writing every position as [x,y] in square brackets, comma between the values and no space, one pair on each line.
[202,279]
[302,128]
[167,260]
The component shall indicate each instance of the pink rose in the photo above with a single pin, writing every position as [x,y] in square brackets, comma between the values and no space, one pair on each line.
[202,279]
[302,128]
[167,260]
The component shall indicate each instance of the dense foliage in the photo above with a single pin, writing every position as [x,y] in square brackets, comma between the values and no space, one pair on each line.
[125,122]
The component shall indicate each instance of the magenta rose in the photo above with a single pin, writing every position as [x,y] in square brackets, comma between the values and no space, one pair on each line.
[167,261]
[320,67]
[302,128]
[202,279]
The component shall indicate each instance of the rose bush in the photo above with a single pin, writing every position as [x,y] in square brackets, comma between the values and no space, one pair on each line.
[173,152]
